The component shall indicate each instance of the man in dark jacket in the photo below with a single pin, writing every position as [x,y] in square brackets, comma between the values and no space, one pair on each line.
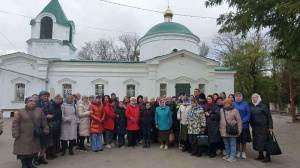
[147,117]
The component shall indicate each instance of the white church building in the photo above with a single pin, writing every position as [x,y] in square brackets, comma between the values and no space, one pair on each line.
[168,64]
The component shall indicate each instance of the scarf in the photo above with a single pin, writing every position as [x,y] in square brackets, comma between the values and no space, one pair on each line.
[258,100]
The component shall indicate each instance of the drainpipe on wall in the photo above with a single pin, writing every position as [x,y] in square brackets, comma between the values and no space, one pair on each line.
[47,74]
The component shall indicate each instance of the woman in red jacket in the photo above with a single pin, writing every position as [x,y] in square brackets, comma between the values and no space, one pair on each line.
[133,115]
[109,123]
[97,126]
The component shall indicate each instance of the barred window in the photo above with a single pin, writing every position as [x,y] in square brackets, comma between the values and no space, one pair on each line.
[66,90]
[20,92]
[131,90]
[99,90]
[163,89]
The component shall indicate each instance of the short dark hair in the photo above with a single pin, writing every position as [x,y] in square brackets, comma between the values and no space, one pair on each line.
[113,94]
[197,89]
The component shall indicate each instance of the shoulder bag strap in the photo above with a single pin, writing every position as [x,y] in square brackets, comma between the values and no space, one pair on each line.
[31,118]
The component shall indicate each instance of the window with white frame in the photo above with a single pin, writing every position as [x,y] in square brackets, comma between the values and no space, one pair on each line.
[19,92]
[202,88]
[66,90]
[99,90]
[131,90]
[163,89]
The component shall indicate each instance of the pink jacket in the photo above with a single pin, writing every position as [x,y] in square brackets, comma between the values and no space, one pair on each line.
[233,117]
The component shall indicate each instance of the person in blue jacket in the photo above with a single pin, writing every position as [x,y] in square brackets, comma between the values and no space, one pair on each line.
[245,137]
[163,122]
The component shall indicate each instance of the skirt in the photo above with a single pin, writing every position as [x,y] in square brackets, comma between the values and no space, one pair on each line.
[183,134]
[245,137]
[163,135]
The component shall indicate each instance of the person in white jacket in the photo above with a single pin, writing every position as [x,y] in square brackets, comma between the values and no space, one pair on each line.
[182,114]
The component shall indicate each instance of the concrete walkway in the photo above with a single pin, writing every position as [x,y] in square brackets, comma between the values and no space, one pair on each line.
[287,134]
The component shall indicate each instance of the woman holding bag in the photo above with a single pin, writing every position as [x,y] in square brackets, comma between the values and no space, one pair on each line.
[230,118]
[262,124]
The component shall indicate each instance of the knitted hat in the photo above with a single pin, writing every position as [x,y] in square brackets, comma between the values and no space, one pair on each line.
[228,101]
[28,99]
[202,96]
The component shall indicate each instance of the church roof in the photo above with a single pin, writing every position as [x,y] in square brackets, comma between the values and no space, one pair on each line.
[55,8]
[168,27]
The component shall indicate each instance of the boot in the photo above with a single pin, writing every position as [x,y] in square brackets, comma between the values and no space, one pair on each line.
[29,163]
[260,156]
[199,152]
[24,163]
[71,144]
[36,161]
[267,159]
[63,146]
[194,150]
[148,145]
[42,160]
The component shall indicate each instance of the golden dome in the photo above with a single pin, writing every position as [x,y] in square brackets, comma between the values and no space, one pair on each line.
[168,12]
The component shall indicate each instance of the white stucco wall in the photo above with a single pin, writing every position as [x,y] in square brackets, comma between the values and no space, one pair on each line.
[162,44]
[180,67]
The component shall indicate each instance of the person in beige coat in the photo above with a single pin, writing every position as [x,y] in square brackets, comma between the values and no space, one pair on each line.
[182,115]
[231,115]
[26,145]
[84,122]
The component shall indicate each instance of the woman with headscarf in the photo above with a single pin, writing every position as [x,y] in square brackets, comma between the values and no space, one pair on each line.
[262,124]
[195,122]
[133,115]
[223,95]
[212,115]
[142,104]
[26,144]
[56,102]
[245,136]
[97,125]
[46,140]
[229,115]
[182,116]
[84,122]
[69,125]
[163,122]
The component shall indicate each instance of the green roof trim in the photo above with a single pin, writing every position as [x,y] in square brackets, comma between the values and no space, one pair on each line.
[99,61]
[32,21]
[224,69]
[54,8]
[168,27]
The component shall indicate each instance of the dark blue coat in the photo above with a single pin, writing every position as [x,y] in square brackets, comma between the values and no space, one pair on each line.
[48,110]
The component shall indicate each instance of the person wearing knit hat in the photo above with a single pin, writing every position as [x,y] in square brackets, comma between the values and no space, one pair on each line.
[26,143]
[230,115]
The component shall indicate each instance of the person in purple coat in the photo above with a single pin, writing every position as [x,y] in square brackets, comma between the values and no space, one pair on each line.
[245,137]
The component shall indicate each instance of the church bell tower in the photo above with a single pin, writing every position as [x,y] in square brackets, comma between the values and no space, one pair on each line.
[52,34]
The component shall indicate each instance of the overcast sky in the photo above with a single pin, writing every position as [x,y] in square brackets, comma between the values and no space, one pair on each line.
[94,13]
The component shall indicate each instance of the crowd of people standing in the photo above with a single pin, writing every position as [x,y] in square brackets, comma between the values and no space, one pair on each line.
[51,127]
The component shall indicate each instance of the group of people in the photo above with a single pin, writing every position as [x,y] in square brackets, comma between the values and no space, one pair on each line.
[65,124]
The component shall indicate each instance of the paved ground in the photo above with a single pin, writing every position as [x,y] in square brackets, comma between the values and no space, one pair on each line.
[288,135]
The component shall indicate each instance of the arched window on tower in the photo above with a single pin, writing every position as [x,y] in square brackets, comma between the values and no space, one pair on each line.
[46,28]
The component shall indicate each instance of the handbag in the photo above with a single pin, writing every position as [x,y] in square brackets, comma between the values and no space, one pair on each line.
[272,146]
[202,141]
[38,131]
[231,129]
[54,125]
[171,136]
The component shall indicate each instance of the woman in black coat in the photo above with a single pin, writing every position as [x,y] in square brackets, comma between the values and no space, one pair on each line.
[146,119]
[121,124]
[55,149]
[262,124]
[212,123]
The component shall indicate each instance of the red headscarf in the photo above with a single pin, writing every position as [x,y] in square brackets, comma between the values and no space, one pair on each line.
[209,105]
